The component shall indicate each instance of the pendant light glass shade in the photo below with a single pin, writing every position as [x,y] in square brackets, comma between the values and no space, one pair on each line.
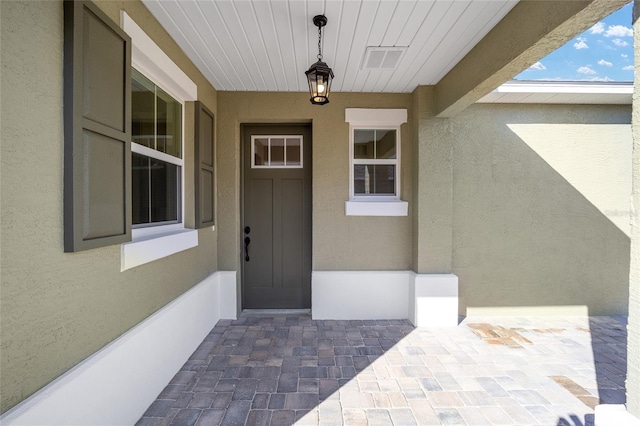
[319,77]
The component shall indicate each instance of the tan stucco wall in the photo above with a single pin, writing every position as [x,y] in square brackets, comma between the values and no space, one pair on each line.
[432,190]
[540,206]
[339,242]
[58,308]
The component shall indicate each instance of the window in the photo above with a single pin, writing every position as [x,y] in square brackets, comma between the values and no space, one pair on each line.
[156,154]
[276,152]
[159,90]
[375,162]
[123,151]
[374,150]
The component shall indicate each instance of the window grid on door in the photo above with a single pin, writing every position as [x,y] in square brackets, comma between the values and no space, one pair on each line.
[276,151]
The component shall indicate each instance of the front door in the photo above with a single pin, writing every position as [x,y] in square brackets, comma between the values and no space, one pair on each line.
[276,228]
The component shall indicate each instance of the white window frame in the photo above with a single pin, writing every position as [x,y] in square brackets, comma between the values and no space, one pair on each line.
[375,119]
[375,162]
[151,243]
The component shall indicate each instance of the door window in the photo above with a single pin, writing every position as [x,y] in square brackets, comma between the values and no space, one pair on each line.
[276,152]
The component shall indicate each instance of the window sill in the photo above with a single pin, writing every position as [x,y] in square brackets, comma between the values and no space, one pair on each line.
[377,208]
[151,244]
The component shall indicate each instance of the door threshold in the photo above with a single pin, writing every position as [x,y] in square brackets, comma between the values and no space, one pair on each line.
[275,312]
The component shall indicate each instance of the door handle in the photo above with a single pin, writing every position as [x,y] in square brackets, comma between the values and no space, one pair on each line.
[247,241]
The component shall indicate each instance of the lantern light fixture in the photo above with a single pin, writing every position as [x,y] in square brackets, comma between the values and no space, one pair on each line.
[319,74]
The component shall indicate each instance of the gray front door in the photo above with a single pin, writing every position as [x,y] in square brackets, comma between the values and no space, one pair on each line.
[276,228]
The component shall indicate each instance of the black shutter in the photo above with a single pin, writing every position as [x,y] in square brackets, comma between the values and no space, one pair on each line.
[97,129]
[204,162]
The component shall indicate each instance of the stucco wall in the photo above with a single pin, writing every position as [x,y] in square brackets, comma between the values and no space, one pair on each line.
[339,242]
[541,206]
[58,308]
[432,222]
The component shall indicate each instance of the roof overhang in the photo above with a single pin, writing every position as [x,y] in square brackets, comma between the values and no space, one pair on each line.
[561,92]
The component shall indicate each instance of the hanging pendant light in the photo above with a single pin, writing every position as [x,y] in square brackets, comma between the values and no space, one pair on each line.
[319,74]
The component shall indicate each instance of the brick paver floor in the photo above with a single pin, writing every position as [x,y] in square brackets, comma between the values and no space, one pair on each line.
[281,370]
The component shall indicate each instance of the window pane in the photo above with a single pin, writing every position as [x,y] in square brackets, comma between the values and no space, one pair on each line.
[156,118]
[277,152]
[139,188]
[260,152]
[155,190]
[142,110]
[269,151]
[385,144]
[169,124]
[363,144]
[293,152]
[374,179]
[164,191]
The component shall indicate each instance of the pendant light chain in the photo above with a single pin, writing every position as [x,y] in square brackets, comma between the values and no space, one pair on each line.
[319,43]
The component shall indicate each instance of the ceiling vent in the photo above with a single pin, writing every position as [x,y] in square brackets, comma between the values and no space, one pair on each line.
[382,57]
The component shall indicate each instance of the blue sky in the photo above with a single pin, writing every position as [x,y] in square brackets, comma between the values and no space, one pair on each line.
[602,53]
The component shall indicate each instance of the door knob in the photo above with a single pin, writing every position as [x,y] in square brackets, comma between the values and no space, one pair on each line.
[247,241]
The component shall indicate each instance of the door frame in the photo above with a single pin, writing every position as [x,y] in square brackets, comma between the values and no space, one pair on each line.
[240,233]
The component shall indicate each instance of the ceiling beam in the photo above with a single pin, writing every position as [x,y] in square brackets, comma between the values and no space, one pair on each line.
[530,31]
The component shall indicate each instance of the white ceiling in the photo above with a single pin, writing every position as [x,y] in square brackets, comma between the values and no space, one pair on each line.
[262,45]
